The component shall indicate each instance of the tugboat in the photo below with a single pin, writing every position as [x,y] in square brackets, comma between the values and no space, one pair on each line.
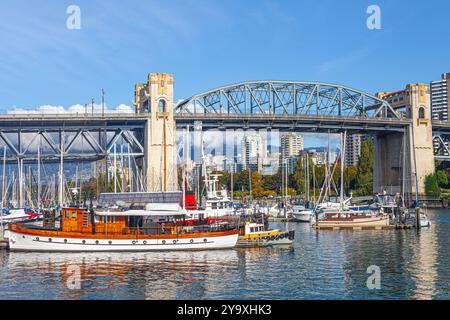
[255,235]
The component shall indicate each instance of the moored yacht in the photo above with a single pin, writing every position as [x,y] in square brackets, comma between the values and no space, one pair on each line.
[130,230]
[302,214]
[19,216]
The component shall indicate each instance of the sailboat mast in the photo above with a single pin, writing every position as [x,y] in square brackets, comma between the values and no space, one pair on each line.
[232,180]
[343,138]
[115,169]
[39,175]
[4,178]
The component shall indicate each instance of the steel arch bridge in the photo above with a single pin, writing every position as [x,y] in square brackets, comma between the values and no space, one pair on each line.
[287,98]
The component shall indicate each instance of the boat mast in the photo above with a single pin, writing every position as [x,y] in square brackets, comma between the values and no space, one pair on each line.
[328,175]
[115,169]
[306,178]
[4,178]
[232,180]
[19,164]
[122,172]
[130,172]
[184,168]
[61,171]
[39,190]
[314,183]
[343,138]
[3,192]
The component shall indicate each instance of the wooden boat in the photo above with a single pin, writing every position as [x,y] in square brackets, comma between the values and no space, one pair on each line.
[255,235]
[132,230]
[353,221]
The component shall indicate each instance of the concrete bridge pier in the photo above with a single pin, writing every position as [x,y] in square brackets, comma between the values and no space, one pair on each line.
[389,151]
[155,99]
[401,159]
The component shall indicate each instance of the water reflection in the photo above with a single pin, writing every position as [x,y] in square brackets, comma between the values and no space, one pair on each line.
[321,265]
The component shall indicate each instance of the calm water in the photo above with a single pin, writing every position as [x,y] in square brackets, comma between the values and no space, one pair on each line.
[324,265]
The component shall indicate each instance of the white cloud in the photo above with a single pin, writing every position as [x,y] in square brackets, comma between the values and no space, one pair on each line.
[74,109]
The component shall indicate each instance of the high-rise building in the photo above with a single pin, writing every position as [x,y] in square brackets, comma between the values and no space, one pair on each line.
[352,149]
[253,152]
[292,145]
[440,97]
[440,104]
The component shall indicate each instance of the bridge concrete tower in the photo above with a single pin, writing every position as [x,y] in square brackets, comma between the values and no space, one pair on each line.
[155,98]
[399,156]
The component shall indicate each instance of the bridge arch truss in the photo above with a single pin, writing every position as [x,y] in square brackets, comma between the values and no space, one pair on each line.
[287,98]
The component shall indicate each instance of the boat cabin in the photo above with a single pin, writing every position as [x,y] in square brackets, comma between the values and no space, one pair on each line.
[80,220]
[127,222]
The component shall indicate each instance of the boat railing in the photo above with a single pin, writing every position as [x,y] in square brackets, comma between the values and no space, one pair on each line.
[177,229]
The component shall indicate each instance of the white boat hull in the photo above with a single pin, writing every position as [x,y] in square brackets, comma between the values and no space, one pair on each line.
[306,216]
[25,242]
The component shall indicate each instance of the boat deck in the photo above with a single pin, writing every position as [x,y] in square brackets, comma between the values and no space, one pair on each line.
[355,228]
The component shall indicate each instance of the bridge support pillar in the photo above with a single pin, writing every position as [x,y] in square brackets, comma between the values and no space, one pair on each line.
[406,159]
[388,163]
[155,98]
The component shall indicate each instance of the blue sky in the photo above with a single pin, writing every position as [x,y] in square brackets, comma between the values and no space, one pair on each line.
[208,43]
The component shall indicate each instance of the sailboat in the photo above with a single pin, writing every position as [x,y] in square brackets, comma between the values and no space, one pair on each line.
[345,218]
[303,212]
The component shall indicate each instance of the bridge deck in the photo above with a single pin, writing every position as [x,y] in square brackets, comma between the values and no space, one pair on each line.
[31,122]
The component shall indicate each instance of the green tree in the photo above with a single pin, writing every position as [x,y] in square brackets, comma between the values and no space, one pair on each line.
[431,186]
[364,172]
[298,177]
[442,179]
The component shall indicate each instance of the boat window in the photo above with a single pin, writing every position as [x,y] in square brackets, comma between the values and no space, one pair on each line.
[67,214]
[74,214]
[104,219]
[113,219]
[214,205]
